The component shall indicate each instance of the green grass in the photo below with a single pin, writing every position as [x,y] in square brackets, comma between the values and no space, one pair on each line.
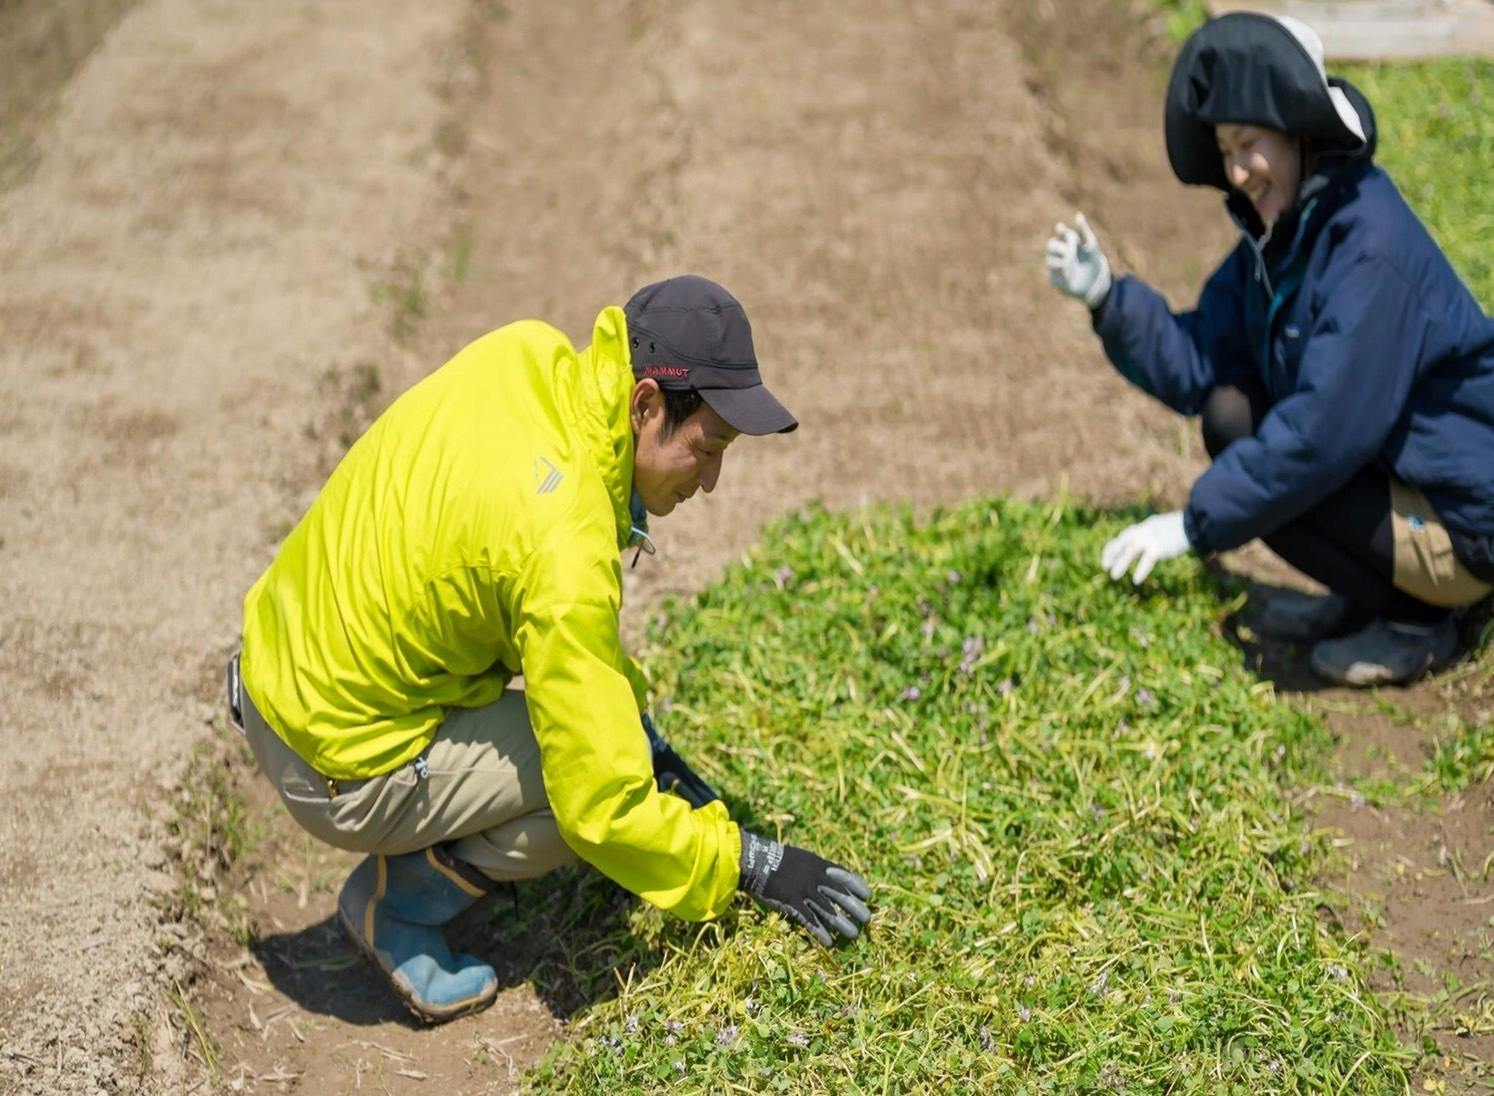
[1071,798]
[1436,123]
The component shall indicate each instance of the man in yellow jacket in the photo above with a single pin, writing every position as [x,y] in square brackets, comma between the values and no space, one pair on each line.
[472,534]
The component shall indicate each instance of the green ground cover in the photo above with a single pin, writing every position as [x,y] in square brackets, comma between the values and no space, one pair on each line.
[1074,804]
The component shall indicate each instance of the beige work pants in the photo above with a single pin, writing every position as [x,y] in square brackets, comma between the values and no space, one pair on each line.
[1425,564]
[481,791]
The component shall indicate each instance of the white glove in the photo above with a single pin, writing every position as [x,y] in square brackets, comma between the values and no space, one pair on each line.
[1159,537]
[1076,265]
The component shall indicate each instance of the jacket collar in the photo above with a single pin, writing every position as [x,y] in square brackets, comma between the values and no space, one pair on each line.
[606,381]
[1319,194]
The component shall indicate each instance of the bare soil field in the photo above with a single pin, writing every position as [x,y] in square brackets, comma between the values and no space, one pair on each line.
[246,228]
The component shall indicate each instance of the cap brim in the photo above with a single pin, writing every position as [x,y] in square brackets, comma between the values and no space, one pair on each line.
[752,410]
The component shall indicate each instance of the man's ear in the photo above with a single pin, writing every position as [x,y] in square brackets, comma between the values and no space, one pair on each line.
[647,400]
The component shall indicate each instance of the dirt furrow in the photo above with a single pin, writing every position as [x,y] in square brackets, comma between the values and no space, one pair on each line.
[191,252]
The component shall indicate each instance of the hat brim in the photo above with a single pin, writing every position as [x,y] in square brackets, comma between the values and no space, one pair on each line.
[752,410]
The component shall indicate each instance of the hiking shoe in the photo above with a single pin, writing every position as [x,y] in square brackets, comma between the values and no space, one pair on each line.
[391,907]
[1386,653]
[1293,615]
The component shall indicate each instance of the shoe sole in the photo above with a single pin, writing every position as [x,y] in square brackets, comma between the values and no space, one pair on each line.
[1432,665]
[406,997]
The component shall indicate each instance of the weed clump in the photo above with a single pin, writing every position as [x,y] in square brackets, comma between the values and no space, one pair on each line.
[1071,798]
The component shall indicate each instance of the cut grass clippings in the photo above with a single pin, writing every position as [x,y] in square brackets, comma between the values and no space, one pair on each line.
[1071,798]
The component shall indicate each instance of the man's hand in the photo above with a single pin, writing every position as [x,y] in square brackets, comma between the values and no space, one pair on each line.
[1159,537]
[1076,265]
[673,774]
[825,899]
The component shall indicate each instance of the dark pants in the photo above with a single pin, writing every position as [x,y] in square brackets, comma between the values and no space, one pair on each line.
[1345,541]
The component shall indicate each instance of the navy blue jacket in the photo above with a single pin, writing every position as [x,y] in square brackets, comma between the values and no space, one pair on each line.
[1369,345]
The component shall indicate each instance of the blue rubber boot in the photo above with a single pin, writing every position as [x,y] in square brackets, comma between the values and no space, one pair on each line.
[392,906]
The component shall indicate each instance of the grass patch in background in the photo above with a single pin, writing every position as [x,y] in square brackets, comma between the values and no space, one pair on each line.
[1436,123]
[1071,798]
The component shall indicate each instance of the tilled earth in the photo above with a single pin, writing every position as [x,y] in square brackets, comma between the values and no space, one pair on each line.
[247,227]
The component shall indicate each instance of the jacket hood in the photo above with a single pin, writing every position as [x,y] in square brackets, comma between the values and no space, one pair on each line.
[1328,171]
[606,381]
[1257,70]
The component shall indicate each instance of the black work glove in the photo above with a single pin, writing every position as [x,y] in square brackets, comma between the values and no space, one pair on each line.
[823,897]
[673,774]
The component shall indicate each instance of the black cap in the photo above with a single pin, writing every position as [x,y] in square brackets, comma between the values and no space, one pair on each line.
[688,332]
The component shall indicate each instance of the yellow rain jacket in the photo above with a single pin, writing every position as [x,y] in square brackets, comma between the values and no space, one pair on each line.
[474,532]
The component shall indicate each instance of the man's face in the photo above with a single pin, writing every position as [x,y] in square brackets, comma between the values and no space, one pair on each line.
[1264,164]
[667,470]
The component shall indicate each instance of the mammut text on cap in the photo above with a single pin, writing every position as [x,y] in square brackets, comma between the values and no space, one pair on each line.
[688,332]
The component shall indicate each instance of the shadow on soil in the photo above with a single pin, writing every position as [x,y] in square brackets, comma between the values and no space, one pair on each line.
[564,935]
[1284,663]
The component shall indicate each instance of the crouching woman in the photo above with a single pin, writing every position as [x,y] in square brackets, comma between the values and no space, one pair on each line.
[1343,372]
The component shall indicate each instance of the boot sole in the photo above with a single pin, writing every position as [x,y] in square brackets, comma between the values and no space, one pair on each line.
[1433,665]
[406,997]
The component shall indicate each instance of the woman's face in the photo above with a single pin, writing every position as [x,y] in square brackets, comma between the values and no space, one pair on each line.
[1263,164]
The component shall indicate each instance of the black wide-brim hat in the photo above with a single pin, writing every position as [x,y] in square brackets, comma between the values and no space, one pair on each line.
[688,332]
[1250,69]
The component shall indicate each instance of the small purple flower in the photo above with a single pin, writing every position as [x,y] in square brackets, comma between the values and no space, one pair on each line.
[912,692]
[1024,1012]
[1004,686]
[987,1044]
[726,1036]
[798,1039]
[630,1024]
[1145,697]
[783,576]
[973,648]
[679,1066]
[954,577]
[1337,972]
